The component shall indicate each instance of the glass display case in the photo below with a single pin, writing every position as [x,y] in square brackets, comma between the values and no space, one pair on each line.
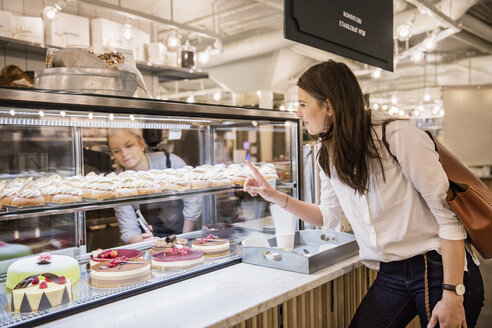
[60,135]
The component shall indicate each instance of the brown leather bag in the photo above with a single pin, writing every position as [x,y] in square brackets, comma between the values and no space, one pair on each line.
[468,197]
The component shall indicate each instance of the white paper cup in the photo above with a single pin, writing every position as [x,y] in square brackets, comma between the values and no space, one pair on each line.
[285,240]
[284,222]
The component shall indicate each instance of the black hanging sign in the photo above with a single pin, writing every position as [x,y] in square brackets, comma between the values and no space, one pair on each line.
[357,29]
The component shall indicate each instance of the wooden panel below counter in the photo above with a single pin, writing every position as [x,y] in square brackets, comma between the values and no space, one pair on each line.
[330,305]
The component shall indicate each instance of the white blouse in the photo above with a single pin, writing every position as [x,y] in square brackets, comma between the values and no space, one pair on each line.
[403,217]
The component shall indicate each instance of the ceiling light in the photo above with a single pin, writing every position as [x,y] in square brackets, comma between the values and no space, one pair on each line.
[111,117]
[217,96]
[401,113]
[394,99]
[441,113]
[375,106]
[282,107]
[420,108]
[190,99]
[173,41]
[203,57]
[403,31]
[132,117]
[51,13]
[427,96]
[128,30]
[385,107]
[12,112]
[376,74]
[63,114]
[436,109]
[430,43]
[417,56]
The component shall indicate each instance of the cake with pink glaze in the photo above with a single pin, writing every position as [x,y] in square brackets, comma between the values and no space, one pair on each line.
[177,258]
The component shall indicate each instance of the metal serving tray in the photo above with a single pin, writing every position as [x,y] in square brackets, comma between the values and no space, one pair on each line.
[306,256]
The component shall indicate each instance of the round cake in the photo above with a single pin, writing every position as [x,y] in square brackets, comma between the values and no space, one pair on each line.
[177,258]
[161,245]
[102,256]
[40,292]
[60,265]
[212,246]
[119,273]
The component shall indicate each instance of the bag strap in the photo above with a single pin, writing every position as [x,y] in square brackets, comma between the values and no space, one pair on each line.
[385,142]
[168,158]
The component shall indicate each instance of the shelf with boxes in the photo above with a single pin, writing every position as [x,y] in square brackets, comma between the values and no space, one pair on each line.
[163,72]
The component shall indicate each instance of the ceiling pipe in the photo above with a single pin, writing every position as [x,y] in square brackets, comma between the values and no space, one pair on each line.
[476,26]
[249,47]
[425,23]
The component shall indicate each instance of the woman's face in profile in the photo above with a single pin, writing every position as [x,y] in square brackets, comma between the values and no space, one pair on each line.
[127,150]
[312,112]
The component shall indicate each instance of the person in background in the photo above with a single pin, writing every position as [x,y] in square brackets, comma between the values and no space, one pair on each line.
[385,175]
[166,218]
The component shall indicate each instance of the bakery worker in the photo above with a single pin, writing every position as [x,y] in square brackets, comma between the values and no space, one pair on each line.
[167,217]
[385,175]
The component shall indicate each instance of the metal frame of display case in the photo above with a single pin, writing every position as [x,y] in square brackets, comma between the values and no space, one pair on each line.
[50,100]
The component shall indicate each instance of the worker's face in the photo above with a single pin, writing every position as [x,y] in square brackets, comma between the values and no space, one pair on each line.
[313,113]
[127,150]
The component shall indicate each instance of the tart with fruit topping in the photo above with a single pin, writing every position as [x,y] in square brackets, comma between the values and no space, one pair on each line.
[161,245]
[119,272]
[212,246]
[40,292]
[177,258]
[99,255]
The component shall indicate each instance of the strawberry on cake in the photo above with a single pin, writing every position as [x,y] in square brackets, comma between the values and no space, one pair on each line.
[177,258]
[99,255]
[212,246]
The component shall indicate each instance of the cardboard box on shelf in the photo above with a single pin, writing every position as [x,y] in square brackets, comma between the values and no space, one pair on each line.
[68,30]
[157,53]
[172,59]
[108,34]
[29,29]
[6,23]
[140,44]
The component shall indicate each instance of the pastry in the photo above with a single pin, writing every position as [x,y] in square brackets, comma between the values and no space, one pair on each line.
[146,186]
[59,192]
[27,195]
[161,245]
[40,292]
[120,272]
[60,265]
[176,258]
[212,246]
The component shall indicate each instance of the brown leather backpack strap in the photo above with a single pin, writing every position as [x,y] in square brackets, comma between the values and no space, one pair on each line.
[385,142]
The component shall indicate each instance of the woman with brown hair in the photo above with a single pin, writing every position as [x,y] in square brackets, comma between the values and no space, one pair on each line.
[384,174]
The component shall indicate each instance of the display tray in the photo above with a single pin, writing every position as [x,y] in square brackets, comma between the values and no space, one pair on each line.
[86,296]
[306,257]
[93,204]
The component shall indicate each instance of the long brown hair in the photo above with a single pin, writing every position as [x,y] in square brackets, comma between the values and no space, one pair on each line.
[346,144]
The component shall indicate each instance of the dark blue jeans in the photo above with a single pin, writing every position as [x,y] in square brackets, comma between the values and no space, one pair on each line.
[398,293]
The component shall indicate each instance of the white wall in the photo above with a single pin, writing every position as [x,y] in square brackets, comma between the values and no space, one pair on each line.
[468,123]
